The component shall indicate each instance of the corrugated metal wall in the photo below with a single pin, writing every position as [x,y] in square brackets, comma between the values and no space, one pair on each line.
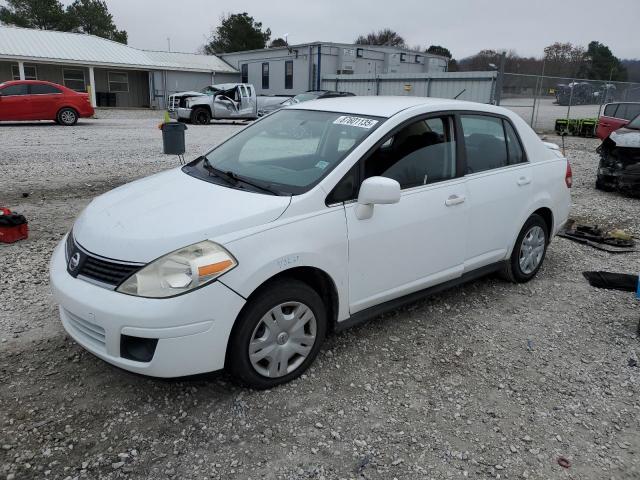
[471,86]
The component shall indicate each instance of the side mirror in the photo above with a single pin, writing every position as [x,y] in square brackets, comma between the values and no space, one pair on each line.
[376,190]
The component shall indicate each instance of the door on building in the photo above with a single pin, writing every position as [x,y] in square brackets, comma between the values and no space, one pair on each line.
[15,103]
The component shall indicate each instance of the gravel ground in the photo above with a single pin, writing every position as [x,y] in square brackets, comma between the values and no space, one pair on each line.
[490,380]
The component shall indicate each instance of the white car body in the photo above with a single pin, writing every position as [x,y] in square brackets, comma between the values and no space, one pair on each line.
[437,235]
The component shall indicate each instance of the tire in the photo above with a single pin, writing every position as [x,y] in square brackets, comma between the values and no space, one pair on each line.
[67,117]
[257,325]
[531,245]
[602,185]
[200,116]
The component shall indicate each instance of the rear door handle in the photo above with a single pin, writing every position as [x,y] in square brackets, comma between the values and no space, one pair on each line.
[454,200]
[522,181]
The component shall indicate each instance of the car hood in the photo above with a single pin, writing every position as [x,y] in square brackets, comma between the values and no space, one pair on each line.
[148,218]
[189,94]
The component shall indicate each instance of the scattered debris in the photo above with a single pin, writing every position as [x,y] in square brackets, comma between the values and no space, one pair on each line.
[564,462]
[13,226]
[613,241]
[612,281]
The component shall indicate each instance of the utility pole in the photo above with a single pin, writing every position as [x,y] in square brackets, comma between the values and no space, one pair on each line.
[500,80]
[169,43]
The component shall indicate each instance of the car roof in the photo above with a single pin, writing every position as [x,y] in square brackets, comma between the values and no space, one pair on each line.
[387,106]
[31,82]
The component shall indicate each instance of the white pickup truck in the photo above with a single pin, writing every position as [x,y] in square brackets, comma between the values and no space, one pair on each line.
[218,102]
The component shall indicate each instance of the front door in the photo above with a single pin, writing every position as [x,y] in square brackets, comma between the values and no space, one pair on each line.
[420,241]
[247,102]
[15,103]
[499,181]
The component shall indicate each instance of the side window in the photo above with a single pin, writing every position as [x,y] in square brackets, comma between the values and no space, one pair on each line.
[610,110]
[42,89]
[421,153]
[346,188]
[15,90]
[514,148]
[484,142]
[633,110]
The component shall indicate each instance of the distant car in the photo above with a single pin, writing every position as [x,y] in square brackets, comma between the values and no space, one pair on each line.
[303,97]
[235,101]
[619,167]
[249,255]
[615,116]
[39,100]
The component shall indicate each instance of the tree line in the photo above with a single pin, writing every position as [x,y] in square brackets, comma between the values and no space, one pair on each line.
[82,16]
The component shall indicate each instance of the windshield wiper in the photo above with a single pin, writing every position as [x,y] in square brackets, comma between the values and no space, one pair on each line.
[233,178]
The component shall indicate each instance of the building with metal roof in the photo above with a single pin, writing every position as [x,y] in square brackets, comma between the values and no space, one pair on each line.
[297,68]
[115,74]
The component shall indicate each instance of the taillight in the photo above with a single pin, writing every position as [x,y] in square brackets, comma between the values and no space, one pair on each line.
[568,176]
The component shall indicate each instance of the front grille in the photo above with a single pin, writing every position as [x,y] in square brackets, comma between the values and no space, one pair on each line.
[105,271]
[91,267]
[87,330]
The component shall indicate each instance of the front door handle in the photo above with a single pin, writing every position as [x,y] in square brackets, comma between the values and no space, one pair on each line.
[454,200]
[522,181]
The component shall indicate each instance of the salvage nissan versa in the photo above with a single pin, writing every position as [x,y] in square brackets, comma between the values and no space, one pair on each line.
[310,220]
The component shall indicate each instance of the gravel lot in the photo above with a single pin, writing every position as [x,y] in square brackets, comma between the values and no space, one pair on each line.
[490,380]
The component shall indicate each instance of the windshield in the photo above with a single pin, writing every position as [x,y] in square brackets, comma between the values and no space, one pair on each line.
[305,97]
[209,90]
[634,124]
[288,151]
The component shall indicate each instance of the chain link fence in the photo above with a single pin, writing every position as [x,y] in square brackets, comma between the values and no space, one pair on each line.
[543,100]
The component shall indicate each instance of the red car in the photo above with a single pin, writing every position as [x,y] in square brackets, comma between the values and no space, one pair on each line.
[615,116]
[38,100]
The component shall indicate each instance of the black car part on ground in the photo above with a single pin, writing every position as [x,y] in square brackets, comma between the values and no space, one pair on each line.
[612,281]
[619,167]
[597,238]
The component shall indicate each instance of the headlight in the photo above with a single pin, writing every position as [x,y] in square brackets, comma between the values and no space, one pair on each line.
[180,271]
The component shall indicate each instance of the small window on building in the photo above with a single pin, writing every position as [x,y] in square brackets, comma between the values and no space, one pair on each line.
[118,82]
[30,72]
[288,74]
[244,73]
[403,57]
[359,52]
[74,79]
[265,75]
[44,89]
[418,58]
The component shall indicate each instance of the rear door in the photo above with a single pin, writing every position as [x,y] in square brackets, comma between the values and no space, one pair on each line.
[45,101]
[498,184]
[15,103]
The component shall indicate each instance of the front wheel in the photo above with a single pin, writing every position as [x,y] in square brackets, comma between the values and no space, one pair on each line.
[278,335]
[528,252]
[200,116]
[67,116]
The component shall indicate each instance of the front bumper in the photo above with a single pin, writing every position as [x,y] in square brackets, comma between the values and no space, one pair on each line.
[180,113]
[192,329]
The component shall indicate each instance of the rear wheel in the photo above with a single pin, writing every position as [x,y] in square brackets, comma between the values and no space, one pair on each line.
[278,335]
[200,116]
[528,252]
[67,116]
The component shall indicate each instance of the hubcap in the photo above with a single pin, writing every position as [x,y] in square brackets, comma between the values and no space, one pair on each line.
[532,249]
[68,117]
[283,339]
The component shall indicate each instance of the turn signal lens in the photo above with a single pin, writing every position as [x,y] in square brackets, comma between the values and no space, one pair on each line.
[180,271]
[568,177]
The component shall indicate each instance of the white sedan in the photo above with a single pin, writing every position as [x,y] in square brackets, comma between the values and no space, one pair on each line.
[310,220]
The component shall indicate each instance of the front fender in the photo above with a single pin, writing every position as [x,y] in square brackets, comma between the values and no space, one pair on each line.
[318,241]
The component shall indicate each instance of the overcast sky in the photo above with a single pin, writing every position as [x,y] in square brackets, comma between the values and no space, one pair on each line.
[463,26]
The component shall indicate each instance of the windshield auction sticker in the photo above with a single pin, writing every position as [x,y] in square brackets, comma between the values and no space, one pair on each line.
[355,122]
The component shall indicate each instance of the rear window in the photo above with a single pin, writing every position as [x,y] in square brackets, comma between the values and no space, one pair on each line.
[610,110]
